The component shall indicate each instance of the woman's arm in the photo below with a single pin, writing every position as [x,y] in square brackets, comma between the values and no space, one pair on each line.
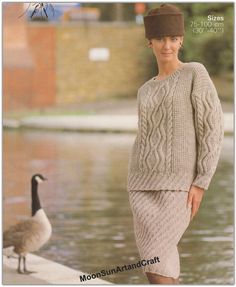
[209,126]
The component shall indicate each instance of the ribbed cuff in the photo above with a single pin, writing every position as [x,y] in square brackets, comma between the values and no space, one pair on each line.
[202,181]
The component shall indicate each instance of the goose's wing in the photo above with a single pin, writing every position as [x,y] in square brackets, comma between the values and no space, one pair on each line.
[18,233]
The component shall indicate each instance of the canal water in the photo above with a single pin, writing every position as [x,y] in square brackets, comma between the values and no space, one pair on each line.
[87,203]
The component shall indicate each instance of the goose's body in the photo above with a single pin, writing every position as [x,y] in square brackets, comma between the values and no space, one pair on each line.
[28,235]
[31,234]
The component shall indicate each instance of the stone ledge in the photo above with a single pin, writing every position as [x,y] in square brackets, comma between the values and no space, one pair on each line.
[90,123]
[48,272]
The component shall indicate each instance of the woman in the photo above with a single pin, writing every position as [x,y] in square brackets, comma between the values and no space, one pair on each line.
[177,147]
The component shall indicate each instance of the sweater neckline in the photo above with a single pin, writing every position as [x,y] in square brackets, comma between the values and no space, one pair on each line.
[171,76]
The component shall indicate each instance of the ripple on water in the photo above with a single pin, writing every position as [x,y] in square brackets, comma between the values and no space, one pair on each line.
[88,206]
[216,238]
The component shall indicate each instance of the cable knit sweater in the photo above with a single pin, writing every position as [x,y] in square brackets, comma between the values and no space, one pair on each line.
[180,132]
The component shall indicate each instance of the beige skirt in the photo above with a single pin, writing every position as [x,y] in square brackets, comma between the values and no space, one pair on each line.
[160,218]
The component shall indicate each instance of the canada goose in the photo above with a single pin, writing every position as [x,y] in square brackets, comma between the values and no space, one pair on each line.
[31,234]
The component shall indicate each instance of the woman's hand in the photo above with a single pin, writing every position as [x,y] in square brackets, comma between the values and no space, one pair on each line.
[194,198]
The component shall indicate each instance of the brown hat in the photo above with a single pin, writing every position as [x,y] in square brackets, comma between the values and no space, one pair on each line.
[167,20]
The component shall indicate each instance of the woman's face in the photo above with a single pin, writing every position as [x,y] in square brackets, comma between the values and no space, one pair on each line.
[166,48]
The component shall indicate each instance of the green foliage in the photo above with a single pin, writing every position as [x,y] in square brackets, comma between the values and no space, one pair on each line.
[109,11]
[213,48]
[217,55]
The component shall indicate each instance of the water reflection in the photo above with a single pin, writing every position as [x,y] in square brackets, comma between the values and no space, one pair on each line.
[87,203]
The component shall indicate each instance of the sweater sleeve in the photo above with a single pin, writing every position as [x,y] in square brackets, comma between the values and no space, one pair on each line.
[209,126]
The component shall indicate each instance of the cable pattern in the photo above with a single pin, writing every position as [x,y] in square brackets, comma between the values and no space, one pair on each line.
[209,120]
[180,132]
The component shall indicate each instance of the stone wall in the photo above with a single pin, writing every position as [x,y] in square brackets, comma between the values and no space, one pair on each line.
[46,64]
[80,79]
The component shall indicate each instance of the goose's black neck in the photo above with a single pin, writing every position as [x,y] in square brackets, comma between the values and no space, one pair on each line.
[35,206]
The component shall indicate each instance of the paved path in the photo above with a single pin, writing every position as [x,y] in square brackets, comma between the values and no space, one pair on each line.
[48,272]
[91,123]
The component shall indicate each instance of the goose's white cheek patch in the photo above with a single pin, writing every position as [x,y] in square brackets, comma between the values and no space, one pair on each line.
[38,179]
